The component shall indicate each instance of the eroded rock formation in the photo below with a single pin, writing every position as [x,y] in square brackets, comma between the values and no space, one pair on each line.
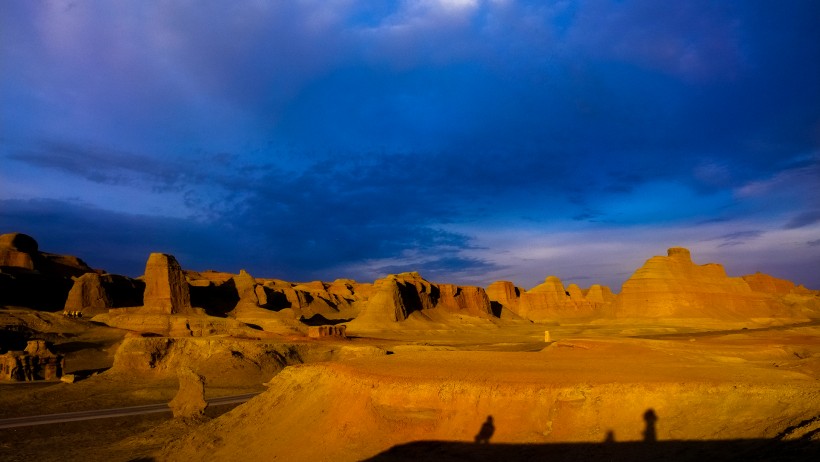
[87,296]
[551,301]
[675,287]
[18,250]
[32,278]
[397,296]
[94,293]
[36,362]
[189,402]
[166,290]
[210,357]
[326,331]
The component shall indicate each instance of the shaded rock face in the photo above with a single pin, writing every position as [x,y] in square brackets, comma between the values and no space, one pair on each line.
[94,293]
[246,290]
[35,279]
[87,296]
[464,299]
[504,298]
[395,297]
[166,290]
[17,250]
[675,287]
[36,362]
[189,402]
[223,293]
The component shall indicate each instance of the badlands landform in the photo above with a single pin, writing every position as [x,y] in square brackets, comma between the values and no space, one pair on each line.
[683,362]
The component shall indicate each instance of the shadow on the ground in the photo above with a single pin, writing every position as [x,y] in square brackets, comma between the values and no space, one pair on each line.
[714,450]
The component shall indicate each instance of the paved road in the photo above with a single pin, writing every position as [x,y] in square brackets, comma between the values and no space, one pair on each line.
[106,413]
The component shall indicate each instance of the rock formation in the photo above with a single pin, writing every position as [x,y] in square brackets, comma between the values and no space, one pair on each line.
[468,300]
[397,296]
[246,290]
[18,250]
[223,293]
[675,287]
[327,331]
[760,282]
[94,293]
[189,402]
[211,357]
[599,294]
[35,279]
[36,362]
[551,301]
[87,296]
[166,290]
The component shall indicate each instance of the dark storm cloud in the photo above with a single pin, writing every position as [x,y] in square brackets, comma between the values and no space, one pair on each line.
[374,134]
[100,165]
[117,242]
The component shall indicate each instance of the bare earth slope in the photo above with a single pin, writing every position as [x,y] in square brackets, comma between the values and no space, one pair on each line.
[572,391]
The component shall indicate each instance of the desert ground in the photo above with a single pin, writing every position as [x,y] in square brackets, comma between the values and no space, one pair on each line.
[684,363]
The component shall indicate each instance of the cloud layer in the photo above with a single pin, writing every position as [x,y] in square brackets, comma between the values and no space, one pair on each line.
[469,140]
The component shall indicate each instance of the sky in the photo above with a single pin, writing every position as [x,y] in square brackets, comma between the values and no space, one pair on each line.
[469,140]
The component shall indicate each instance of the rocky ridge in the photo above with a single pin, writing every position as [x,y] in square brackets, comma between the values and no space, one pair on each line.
[168,300]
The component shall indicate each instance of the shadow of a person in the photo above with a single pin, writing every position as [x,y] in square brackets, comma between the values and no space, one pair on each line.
[649,434]
[486,432]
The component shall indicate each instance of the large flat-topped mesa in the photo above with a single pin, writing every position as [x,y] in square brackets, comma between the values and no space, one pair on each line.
[166,290]
[675,287]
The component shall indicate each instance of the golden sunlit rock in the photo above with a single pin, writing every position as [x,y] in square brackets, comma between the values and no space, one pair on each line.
[685,363]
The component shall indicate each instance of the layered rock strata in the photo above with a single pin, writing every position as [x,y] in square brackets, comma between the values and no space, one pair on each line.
[675,287]
[551,301]
[36,362]
[166,290]
[397,296]
[446,396]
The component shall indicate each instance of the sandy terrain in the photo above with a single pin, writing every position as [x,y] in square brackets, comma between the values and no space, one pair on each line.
[428,388]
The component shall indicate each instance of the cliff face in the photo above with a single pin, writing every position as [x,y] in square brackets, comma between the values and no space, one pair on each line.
[166,289]
[93,293]
[396,297]
[675,287]
[551,301]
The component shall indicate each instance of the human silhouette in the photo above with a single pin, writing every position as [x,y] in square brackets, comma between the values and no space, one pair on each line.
[649,434]
[486,432]
[610,437]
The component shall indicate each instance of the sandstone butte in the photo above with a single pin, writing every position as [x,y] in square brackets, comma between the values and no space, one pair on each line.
[675,287]
[168,299]
[166,290]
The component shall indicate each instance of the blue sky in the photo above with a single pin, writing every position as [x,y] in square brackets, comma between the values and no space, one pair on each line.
[470,140]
